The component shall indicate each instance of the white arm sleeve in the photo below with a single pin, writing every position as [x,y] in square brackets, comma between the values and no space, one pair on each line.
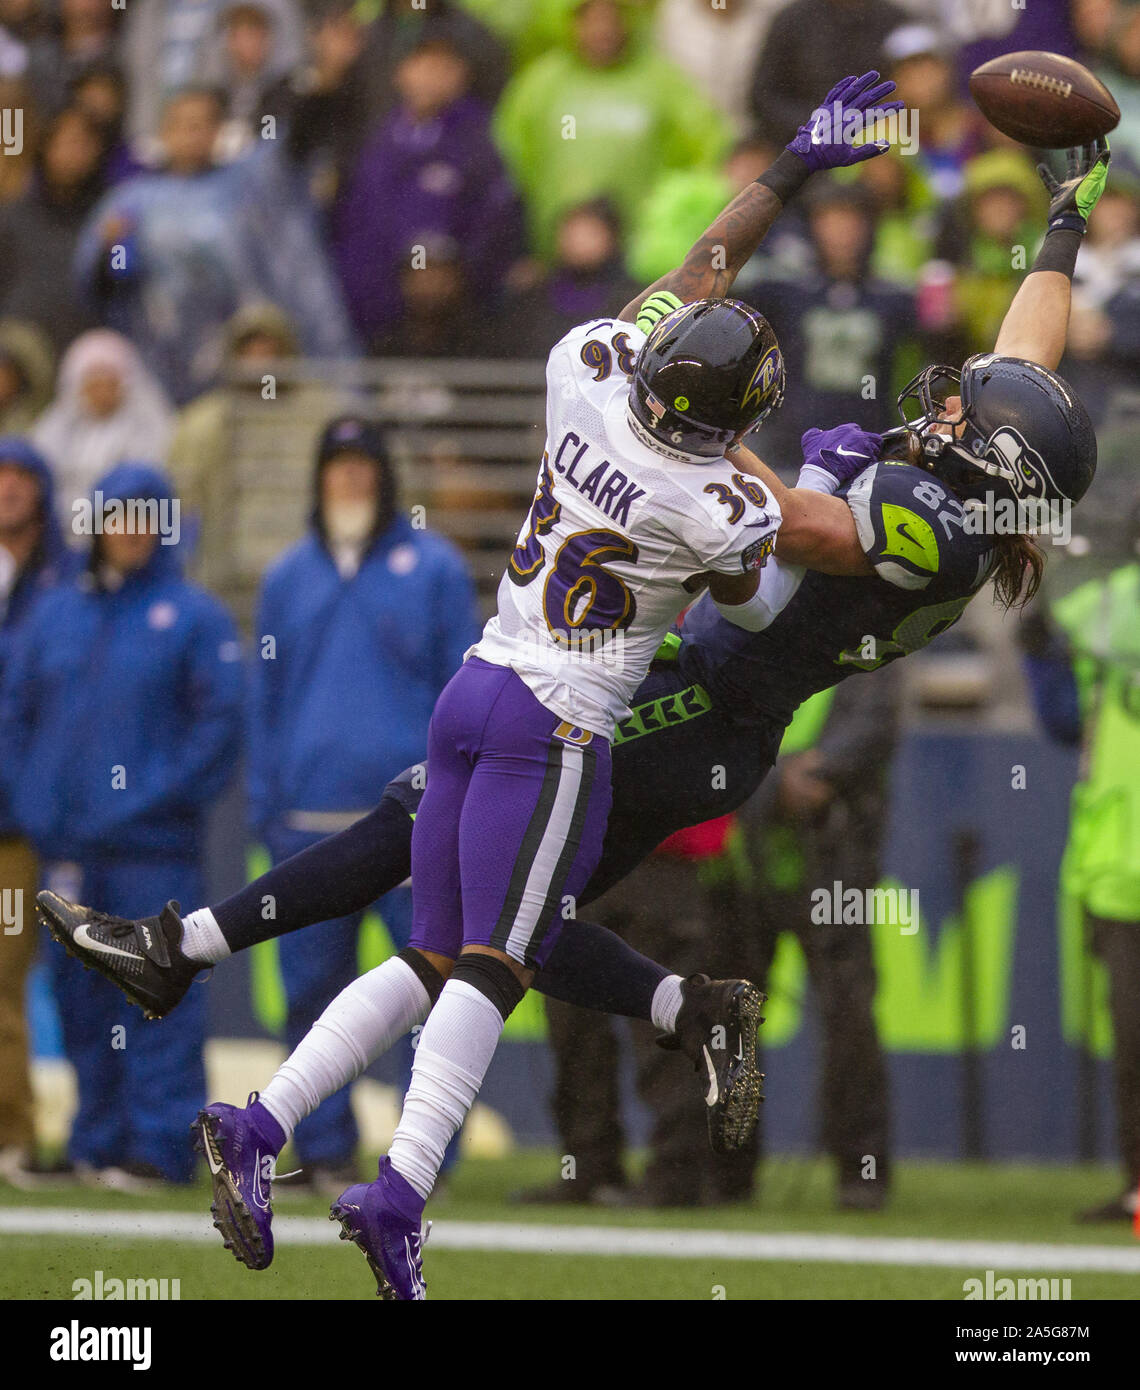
[778,583]
[815,479]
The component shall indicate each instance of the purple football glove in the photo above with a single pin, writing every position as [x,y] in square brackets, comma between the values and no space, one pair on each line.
[824,141]
[839,453]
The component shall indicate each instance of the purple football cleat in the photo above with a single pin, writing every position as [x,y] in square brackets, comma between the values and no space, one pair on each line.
[377,1218]
[241,1147]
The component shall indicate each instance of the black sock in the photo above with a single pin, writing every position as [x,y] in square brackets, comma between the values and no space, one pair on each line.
[339,875]
[594,968]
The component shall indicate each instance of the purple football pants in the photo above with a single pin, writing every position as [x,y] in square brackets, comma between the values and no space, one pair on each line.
[511,825]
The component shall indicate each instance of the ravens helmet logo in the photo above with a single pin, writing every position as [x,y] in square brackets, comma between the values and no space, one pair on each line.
[763,379]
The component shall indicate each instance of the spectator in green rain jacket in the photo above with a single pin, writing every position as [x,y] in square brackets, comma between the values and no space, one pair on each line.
[683,202]
[599,116]
[991,236]
[1083,665]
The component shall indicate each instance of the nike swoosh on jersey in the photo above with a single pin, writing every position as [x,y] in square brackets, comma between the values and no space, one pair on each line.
[83,936]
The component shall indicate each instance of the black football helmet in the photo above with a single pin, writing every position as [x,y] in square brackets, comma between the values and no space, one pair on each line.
[1021,434]
[707,372]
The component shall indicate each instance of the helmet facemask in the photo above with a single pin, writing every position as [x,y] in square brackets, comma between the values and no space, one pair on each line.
[980,462]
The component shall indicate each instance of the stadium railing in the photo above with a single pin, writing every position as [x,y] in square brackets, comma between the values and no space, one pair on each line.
[466,436]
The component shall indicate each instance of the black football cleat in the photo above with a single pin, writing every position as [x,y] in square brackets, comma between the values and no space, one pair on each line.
[141,955]
[716,1029]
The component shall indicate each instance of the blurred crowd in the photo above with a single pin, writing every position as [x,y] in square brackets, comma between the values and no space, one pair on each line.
[468,179]
[191,188]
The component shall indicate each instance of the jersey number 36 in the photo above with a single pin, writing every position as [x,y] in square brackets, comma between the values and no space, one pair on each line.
[580,597]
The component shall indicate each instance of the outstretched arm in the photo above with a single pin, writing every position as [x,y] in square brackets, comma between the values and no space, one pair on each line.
[1037,322]
[824,142]
[714,262]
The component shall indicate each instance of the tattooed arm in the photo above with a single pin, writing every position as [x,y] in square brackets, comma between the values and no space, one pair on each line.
[714,261]
[825,141]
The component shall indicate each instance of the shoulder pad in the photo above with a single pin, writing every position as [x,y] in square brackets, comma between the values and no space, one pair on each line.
[910,526]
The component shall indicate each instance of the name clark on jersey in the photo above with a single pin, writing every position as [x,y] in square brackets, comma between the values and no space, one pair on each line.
[605,484]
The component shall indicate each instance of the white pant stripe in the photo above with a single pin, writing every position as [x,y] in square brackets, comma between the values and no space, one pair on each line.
[549,850]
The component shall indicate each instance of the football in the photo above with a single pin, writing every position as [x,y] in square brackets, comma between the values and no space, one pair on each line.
[1043,99]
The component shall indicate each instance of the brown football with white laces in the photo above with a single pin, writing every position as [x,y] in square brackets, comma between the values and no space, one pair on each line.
[1044,99]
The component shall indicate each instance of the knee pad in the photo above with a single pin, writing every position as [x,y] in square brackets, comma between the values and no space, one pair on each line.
[493,978]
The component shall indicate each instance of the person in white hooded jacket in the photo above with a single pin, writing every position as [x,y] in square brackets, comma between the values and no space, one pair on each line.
[108,407]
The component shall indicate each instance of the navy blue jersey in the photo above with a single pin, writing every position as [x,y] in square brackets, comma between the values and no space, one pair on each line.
[928,565]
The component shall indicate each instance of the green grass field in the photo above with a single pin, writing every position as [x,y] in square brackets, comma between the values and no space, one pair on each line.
[932,1201]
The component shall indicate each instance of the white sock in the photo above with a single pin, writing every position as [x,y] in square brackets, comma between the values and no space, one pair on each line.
[202,938]
[454,1052]
[363,1021]
[667,1001]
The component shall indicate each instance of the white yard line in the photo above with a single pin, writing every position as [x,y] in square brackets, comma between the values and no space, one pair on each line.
[677,1244]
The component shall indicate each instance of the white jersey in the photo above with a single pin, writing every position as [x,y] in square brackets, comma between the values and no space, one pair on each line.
[597,576]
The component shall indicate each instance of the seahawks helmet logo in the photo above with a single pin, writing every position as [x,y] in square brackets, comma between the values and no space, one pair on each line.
[763,379]
[1011,458]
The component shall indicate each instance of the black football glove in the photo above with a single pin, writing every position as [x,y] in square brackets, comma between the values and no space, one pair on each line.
[1073,198]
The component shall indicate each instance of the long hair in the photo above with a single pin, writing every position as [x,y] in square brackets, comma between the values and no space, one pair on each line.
[1019,564]
[1018,570]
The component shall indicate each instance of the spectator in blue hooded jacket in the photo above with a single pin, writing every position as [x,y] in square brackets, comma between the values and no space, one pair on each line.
[359,627]
[123,698]
[33,558]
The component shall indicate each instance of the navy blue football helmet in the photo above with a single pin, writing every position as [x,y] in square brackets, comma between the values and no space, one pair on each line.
[1021,433]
